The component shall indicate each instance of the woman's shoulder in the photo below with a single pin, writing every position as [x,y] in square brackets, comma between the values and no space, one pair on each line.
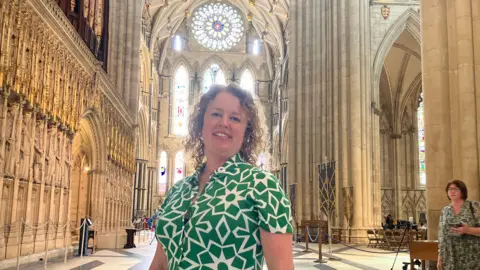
[446,208]
[474,203]
[262,172]
[476,206]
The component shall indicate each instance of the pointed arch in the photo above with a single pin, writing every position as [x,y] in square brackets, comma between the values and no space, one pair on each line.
[181,61]
[94,128]
[215,59]
[213,75]
[410,21]
[248,64]
[247,81]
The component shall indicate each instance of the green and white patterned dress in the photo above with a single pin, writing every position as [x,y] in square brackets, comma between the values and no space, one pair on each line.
[223,227]
[459,251]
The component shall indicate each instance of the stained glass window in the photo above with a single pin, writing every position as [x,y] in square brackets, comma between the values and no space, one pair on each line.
[217,26]
[179,167]
[247,82]
[214,75]
[162,174]
[421,141]
[180,106]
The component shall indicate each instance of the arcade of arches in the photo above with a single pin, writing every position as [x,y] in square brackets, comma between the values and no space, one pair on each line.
[96,95]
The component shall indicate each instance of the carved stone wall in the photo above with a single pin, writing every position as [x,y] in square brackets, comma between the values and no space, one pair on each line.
[57,106]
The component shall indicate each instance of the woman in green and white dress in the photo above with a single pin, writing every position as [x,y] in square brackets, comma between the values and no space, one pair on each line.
[229,214]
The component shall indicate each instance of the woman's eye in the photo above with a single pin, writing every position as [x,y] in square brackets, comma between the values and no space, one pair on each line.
[216,114]
[235,119]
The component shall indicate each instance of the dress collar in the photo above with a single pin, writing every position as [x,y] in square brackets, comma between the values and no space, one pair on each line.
[230,166]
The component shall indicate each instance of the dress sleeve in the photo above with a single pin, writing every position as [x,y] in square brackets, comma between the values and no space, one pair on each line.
[441,240]
[271,202]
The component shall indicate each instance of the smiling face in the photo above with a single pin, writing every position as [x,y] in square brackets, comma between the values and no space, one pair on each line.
[224,125]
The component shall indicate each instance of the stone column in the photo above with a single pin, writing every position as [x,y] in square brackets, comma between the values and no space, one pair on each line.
[330,105]
[451,61]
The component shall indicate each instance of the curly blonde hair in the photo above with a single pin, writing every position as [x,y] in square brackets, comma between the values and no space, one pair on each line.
[253,140]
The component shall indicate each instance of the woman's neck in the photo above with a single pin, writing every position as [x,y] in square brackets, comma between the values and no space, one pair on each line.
[213,164]
[457,203]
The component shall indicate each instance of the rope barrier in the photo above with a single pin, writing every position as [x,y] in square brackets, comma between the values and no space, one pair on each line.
[368,251]
[36,228]
[59,227]
[310,236]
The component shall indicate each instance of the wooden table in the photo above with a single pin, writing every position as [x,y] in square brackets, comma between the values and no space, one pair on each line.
[424,250]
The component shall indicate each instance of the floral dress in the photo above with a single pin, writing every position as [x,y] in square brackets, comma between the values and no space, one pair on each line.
[459,251]
[222,229]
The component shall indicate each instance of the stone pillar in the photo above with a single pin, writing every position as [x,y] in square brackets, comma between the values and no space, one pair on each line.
[330,106]
[450,63]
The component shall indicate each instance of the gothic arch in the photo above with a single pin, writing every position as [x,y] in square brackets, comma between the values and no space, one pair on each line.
[248,65]
[163,147]
[215,59]
[410,21]
[92,131]
[181,61]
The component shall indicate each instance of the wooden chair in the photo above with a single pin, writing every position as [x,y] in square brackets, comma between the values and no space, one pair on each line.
[389,239]
[382,241]
[424,250]
[372,239]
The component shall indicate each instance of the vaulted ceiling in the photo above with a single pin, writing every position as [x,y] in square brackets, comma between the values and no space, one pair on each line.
[400,81]
[269,18]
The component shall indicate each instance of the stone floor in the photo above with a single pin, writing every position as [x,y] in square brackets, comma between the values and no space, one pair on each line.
[140,258]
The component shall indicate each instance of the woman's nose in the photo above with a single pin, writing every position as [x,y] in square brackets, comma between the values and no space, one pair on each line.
[224,121]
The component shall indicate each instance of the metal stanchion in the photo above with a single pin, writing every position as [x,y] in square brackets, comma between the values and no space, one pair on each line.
[305,233]
[320,256]
[83,239]
[18,242]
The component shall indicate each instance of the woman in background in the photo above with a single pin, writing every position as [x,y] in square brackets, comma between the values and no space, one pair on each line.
[459,231]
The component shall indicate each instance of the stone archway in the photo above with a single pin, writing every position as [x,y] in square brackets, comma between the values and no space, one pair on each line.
[397,75]
[89,163]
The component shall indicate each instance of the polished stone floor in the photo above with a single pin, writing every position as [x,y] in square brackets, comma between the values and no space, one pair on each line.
[140,258]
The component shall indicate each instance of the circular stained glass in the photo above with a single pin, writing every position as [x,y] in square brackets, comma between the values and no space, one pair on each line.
[217,26]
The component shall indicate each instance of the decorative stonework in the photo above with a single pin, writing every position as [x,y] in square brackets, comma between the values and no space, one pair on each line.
[385,11]
[50,83]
